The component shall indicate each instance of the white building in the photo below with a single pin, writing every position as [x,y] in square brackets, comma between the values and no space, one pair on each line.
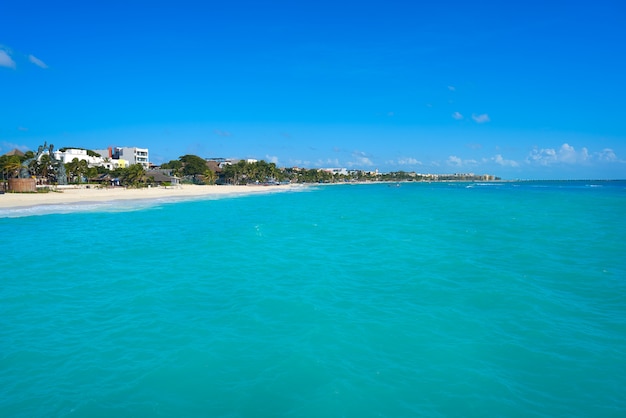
[124,156]
[104,160]
[133,155]
[70,153]
[342,171]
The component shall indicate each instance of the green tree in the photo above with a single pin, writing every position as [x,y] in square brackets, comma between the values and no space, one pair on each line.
[117,172]
[193,165]
[91,173]
[237,173]
[133,176]
[43,167]
[28,155]
[71,168]
[229,173]
[11,166]
[241,172]
[175,165]
[102,169]
[209,176]
[76,169]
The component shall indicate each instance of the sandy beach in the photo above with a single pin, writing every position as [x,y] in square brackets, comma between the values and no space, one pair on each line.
[73,195]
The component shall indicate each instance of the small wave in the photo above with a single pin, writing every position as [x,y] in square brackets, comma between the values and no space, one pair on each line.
[112,206]
[126,205]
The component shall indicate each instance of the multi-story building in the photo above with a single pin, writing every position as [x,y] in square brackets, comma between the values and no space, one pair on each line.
[133,155]
[130,156]
[69,154]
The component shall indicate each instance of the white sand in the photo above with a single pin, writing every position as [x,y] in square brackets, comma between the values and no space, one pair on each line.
[72,195]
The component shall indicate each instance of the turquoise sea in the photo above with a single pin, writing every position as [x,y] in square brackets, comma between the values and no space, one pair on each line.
[382,300]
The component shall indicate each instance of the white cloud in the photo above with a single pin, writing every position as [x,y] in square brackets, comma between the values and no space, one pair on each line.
[272,159]
[360,160]
[584,154]
[329,162]
[455,161]
[298,163]
[608,156]
[409,161]
[37,61]
[565,154]
[365,161]
[481,118]
[542,156]
[451,88]
[457,116]
[498,159]
[11,146]
[5,60]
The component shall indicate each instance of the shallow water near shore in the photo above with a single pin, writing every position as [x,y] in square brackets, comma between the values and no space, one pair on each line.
[442,299]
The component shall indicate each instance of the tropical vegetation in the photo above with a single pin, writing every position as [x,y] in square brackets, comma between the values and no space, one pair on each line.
[194,169]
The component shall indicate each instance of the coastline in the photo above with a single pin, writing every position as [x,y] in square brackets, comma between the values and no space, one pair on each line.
[84,195]
[68,196]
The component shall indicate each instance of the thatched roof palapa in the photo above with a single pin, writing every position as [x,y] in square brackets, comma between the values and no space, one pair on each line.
[15,151]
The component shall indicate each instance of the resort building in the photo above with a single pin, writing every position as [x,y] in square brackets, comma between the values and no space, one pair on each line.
[69,154]
[340,171]
[123,157]
[132,155]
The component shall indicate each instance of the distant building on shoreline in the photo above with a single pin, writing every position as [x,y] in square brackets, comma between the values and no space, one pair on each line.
[341,171]
[67,155]
[130,156]
[133,155]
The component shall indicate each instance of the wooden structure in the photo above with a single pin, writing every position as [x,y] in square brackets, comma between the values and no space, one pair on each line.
[22,185]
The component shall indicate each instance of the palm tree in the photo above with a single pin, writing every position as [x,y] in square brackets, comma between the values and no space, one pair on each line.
[91,173]
[43,166]
[241,171]
[133,175]
[209,176]
[83,166]
[73,170]
[11,166]
[77,169]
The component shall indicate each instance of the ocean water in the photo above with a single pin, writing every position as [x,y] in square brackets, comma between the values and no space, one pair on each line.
[433,300]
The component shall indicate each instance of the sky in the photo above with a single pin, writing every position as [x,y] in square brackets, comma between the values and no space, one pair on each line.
[520,90]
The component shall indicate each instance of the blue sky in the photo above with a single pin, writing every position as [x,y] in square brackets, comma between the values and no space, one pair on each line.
[533,89]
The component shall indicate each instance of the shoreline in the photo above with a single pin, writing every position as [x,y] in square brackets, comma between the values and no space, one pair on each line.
[84,195]
[66,196]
